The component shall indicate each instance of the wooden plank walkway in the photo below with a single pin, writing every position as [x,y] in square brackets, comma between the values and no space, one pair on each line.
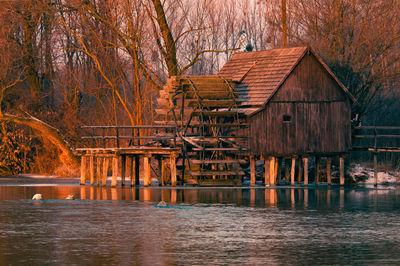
[123,144]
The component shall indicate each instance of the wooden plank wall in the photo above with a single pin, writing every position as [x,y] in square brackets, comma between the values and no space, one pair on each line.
[319,116]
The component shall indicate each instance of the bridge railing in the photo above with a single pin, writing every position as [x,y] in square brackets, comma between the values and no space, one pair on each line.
[376,138]
[126,136]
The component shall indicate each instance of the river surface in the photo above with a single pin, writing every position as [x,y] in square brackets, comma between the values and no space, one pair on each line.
[200,226]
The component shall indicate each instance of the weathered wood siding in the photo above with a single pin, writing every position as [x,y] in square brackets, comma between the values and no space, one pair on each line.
[319,114]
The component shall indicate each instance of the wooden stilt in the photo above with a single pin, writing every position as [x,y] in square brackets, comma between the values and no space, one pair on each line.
[172,162]
[375,169]
[137,174]
[272,164]
[267,171]
[300,172]
[341,168]
[91,169]
[98,170]
[146,168]
[105,171]
[132,172]
[83,170]
[252,171]
[279,171]
[161,171]
[287,171]
[123,169]
[305,166]
[328,170]
[114,171]
[316,177]
[293,170]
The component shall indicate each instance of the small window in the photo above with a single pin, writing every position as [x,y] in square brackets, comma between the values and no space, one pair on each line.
[287,118]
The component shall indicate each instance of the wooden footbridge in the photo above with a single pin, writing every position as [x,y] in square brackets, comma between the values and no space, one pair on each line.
[198,126]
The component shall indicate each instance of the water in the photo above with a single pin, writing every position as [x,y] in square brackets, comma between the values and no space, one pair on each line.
[253,226]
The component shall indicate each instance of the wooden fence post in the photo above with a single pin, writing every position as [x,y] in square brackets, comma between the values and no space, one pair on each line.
[375,169]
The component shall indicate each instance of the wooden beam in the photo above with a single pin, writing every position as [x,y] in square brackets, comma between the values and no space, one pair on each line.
[305,167]
[114,171]
[341,167]
[105,171]
[173,169]
[83,170]
[328,170]
[146,168]
[293,170]
[252,171]
[91,169]
[123,169]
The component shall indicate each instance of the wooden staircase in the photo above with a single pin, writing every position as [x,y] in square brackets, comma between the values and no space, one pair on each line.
[211,131]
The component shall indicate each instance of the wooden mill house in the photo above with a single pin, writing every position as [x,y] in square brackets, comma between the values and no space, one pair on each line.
[276,105]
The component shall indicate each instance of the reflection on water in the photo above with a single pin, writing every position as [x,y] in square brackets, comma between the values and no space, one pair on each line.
[117,226]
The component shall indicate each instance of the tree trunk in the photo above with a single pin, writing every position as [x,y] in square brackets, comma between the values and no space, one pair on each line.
[170,48]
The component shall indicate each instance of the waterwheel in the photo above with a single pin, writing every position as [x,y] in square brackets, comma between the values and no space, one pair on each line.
[211,129]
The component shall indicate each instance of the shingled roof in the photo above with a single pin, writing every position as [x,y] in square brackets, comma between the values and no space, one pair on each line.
[259,74]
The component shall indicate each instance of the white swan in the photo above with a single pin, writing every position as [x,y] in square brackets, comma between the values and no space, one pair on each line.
[70,197]
[162,204]
[37,197]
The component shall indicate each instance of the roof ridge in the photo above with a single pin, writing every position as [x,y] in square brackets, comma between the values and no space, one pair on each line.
[273,49]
